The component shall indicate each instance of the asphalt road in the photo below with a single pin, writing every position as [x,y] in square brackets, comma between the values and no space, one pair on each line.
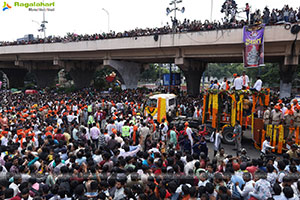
[247,143]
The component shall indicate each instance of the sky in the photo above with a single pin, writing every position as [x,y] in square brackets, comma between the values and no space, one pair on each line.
[87,16]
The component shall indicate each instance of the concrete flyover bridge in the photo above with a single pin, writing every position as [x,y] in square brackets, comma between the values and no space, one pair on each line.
[191,51]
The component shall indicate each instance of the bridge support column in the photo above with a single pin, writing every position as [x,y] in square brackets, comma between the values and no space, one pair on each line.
[15,77]
[45,78]
[288,69]
[82,77]
[286,77]
[192,71]
[129,71]
[82,72]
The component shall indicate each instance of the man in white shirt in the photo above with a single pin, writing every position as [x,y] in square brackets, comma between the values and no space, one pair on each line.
[215,85]
[189,132]
[95,133]
[245,79]
[70,117]
[14,185]
[197,114]
[266,145]
[110,126]
[238,83]
[120,124]
[257,85]
[4,140]
[224,84]
[248,186]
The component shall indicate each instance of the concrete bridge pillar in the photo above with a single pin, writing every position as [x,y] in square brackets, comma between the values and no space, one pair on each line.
[45,78]
[81,72]
[129,71]
[288,69]
[15,77]
[286,77]
[192,71]
[82,77]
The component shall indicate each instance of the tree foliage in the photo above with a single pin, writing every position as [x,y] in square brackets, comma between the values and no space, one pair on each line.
[269,73]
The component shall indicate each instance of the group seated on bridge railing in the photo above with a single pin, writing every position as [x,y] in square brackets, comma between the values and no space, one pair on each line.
[277,16]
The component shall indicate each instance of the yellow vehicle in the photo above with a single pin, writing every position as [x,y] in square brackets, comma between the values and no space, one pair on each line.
[159,104]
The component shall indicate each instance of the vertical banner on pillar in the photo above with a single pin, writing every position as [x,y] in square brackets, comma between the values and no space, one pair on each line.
[253,38]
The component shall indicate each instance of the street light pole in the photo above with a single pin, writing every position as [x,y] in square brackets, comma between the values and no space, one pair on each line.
[40,35]
[108,20]
[211,9]
[43,24]
[174,2]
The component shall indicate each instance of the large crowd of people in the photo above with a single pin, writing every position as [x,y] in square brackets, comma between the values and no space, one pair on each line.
[230,21]
[86,145]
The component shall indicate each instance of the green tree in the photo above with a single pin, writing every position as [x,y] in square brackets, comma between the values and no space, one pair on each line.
[269,73]
[99,78]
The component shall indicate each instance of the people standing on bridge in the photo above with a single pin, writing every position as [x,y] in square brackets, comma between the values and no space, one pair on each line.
[247,10]
[237,133]
[245,81]
[238,83]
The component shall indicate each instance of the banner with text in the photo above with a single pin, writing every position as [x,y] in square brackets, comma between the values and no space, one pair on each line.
[253,38]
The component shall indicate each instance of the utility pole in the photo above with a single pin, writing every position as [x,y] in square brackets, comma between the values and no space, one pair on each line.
[108,19]
[170,80]
[175,8]
[44,22]
[211,10]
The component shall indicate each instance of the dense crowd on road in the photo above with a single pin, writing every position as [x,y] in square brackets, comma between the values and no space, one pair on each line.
[286,14]
[86,145]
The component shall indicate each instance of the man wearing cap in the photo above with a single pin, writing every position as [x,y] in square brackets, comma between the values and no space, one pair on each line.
[4,138]
[288,120]
[276,116]
[238,83]
[189,132]
[267,116]
[297,116]
[294,151]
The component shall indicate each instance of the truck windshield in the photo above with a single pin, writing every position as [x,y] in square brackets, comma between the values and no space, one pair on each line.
[172,102]
[151,102]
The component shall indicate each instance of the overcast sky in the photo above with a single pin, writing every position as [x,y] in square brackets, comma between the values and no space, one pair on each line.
[87,16]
